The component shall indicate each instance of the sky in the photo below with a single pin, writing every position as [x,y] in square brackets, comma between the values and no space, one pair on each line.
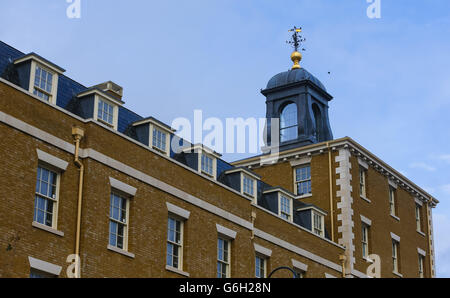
[389,76]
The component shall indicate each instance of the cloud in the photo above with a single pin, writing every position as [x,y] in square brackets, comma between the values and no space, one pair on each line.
[423,166]
[445,157]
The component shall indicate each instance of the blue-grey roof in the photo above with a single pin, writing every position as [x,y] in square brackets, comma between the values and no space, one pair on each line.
[294,76]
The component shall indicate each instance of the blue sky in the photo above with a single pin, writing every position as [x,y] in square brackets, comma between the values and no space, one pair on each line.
[389,77]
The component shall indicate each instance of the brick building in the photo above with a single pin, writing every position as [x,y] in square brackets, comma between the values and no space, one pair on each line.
[71,187]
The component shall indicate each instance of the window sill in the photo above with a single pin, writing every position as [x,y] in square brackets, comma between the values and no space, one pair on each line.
[47,229]
[304,196]
[365,199]
[120,251]
[160,150]
[395,217]
[398,274]
[177,271]
[421,233]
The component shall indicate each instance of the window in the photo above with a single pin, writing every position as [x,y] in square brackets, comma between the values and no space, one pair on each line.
[207,165]
[300,273]
[288,123]
[105,112]
[174,243]
[303,180]
[362,182]
[46,197]
[318,223]
[395,262]
[249,186]
[421,266]
[43,81]
[285,207]
[418,218]
[159,139]
[40,274]
[118,221]
[223,258]
[365,240]
[260,267]
[392,201]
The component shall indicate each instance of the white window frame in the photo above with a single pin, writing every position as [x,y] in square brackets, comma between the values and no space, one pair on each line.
[179,246]
[365,228]
[55,77]
[392,201]
[54,199]
[100,97]
[418,211]
[165,150]
[281,195]
[254,186]
[363,181]
[395,260]
[126,225]
[226,263]
[257,265]
[297,182]
[322,223]
[421,266]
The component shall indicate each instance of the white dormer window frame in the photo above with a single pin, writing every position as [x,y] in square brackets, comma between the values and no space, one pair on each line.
[161,130]
[285,202]
[290,197]
[201,151]
[250,191]
[318,230]
[99,98]
[42,91]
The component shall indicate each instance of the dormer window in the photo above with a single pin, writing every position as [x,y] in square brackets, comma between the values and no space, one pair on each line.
[314,219]
[248,182]
[43,76]
[318,223]
[101,106]
[43,83]
[105,112]
[154,134]
[248,186]
[285,207]
[207,164]
[159,139]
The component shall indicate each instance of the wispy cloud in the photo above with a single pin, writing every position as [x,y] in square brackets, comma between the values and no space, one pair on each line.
[423,166]
[445,157]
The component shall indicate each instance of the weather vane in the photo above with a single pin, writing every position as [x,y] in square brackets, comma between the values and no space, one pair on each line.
[296,41]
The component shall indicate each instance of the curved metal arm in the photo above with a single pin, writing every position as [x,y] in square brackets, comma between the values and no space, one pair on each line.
[281,268]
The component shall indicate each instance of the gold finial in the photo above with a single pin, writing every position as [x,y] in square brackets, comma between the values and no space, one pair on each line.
[296,56]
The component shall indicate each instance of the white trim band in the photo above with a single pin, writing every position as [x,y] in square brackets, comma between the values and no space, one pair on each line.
[226,232]
[44,266]
[123,187]
[178,211]
[52,160]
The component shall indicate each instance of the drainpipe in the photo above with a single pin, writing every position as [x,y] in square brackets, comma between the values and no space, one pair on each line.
[343,258]
[78,134]
[330,174]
